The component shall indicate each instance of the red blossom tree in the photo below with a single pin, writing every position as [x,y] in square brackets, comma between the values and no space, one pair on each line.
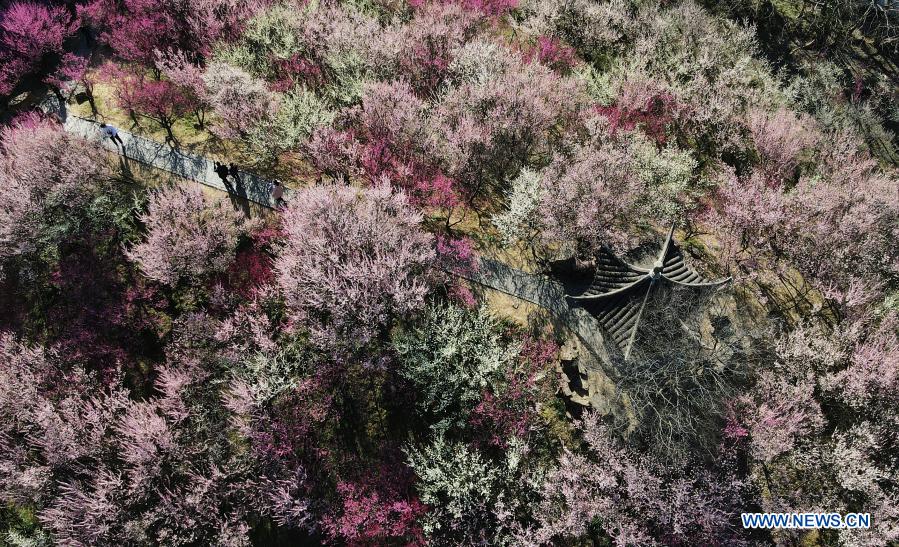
[552,53]
[138,29]
[158,100]
[32,36]
[376,509]
[646,106]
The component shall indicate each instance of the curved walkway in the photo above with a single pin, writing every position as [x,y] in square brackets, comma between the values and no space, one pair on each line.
[537,289]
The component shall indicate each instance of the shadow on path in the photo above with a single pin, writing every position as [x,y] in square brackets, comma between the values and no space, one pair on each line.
[250,187]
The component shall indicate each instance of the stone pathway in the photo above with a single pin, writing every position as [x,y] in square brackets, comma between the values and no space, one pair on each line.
[537,289]
[162,156]
[544,292]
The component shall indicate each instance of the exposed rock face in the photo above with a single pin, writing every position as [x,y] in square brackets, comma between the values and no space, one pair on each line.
[583,381]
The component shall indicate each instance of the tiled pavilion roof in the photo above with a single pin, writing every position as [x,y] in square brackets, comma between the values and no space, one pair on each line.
[619,291]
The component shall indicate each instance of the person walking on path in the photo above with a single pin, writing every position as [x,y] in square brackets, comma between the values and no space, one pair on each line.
[278,194]
[113,134]
[235,174]
[221,170]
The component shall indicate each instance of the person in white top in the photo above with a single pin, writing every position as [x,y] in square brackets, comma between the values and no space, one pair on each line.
[278,194]
[112,133]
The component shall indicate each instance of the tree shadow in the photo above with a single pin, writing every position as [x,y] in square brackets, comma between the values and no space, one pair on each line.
[790,298]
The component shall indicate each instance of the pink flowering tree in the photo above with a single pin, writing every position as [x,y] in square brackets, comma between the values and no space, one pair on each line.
[837,226]
[389,136]
[177,67]
[43,411]
[46,175]
[70,75]
[648,106]
[781,139]
[822,411]
[160,101]
[552,53]
[870,379]
[188,236]
[420,52]
[352,261]
[284,409]
[493,8]
[395,137]
[65,216]
[252,273]
[240,102]
[635,499]
[498,119]
[846,224]
[785,410]
[137,29]
[511,410]
[586,199]
[336,153]
[367,518]
[97,466]
[392,125]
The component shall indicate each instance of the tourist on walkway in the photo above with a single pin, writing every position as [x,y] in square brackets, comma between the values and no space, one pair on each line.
[278,195]
[113,134]
[221,170]
[235,174]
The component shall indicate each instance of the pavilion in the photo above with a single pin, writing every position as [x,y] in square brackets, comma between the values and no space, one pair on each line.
[619,291]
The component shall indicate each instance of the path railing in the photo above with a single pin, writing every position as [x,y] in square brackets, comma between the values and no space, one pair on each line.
[544,292]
